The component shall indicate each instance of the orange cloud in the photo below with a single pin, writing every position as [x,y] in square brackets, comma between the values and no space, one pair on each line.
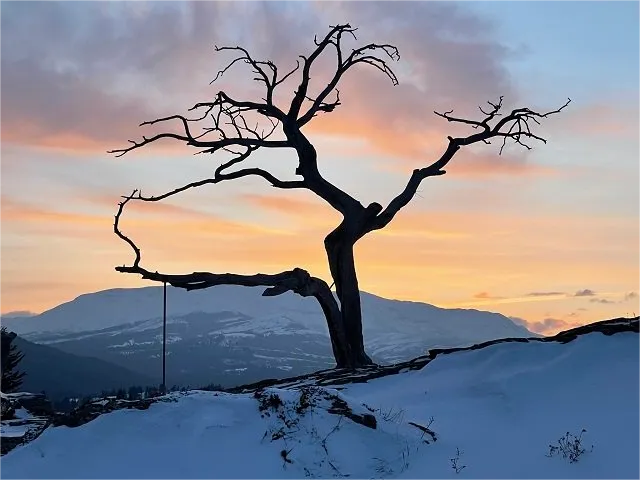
[55,108]
[152,219]
[486,296]
[439,257]
[289,205]
[313,215]
[14,212]
[164,207]
[548,326]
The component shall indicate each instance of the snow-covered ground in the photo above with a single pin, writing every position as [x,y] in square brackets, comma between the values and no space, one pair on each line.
[494,411]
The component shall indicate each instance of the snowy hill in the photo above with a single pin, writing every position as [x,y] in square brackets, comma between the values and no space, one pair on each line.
[61,374]
[489,412]
[231,335]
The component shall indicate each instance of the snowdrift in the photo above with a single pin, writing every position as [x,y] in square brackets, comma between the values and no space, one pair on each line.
[490,412]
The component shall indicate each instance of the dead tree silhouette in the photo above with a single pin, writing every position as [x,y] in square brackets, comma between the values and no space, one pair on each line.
[230,131]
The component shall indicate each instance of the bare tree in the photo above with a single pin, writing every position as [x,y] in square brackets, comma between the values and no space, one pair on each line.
[230,129]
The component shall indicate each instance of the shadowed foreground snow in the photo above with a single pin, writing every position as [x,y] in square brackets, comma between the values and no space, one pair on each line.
[501,406]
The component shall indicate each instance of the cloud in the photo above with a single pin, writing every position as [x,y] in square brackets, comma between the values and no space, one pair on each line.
[76,60]
[544,294]
[19,212]
[631,296]
[486,296]
[134,63]
[163,208]
[289,205]
[601,300]
[152,219]
[315,214]
[599,120]
[584,293]
[437,72]
[547,326]
[59,110]
[479,164]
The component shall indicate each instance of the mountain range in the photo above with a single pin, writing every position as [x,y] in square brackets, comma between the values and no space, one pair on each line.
[61,374]
[230,335]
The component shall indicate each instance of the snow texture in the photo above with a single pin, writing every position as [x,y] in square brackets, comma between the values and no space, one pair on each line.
[495,411]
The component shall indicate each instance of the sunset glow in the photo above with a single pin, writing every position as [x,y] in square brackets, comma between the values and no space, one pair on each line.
[549,236]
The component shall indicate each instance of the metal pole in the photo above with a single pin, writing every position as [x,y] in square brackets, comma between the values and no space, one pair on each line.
[164,340]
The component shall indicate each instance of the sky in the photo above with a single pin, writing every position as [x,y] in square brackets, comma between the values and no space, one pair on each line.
[549,236]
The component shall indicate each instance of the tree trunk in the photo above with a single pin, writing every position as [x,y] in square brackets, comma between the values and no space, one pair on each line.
[339,247]
[339,342]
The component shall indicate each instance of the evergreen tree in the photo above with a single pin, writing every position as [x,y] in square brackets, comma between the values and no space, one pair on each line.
[10,357]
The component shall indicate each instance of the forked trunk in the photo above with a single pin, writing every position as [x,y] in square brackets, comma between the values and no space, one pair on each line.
[339,249]
[339,342]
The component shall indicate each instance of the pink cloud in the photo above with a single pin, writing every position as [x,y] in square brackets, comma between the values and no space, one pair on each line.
[139,63]
[547,326]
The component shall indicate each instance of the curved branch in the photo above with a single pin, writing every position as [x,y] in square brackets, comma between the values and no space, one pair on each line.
[513,126]
[297,280]
[117,231]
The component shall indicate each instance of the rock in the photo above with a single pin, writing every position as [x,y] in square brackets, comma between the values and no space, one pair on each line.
[29,425]
[9,443]
[36,403]
[89,411]
[7,409]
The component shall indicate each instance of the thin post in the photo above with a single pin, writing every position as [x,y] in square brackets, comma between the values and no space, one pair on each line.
[164,340]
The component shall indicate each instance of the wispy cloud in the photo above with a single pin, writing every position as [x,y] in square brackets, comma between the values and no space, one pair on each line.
[600,120]
[547,326]
[120,63]
[585,293]
[486,296]
[544,294]
[601,300]
[51,90]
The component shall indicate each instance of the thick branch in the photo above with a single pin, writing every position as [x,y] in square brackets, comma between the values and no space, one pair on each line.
[232,128]
[296,280]
[513,126]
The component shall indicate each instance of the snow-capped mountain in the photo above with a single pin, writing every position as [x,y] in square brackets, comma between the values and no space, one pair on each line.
[232,334]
